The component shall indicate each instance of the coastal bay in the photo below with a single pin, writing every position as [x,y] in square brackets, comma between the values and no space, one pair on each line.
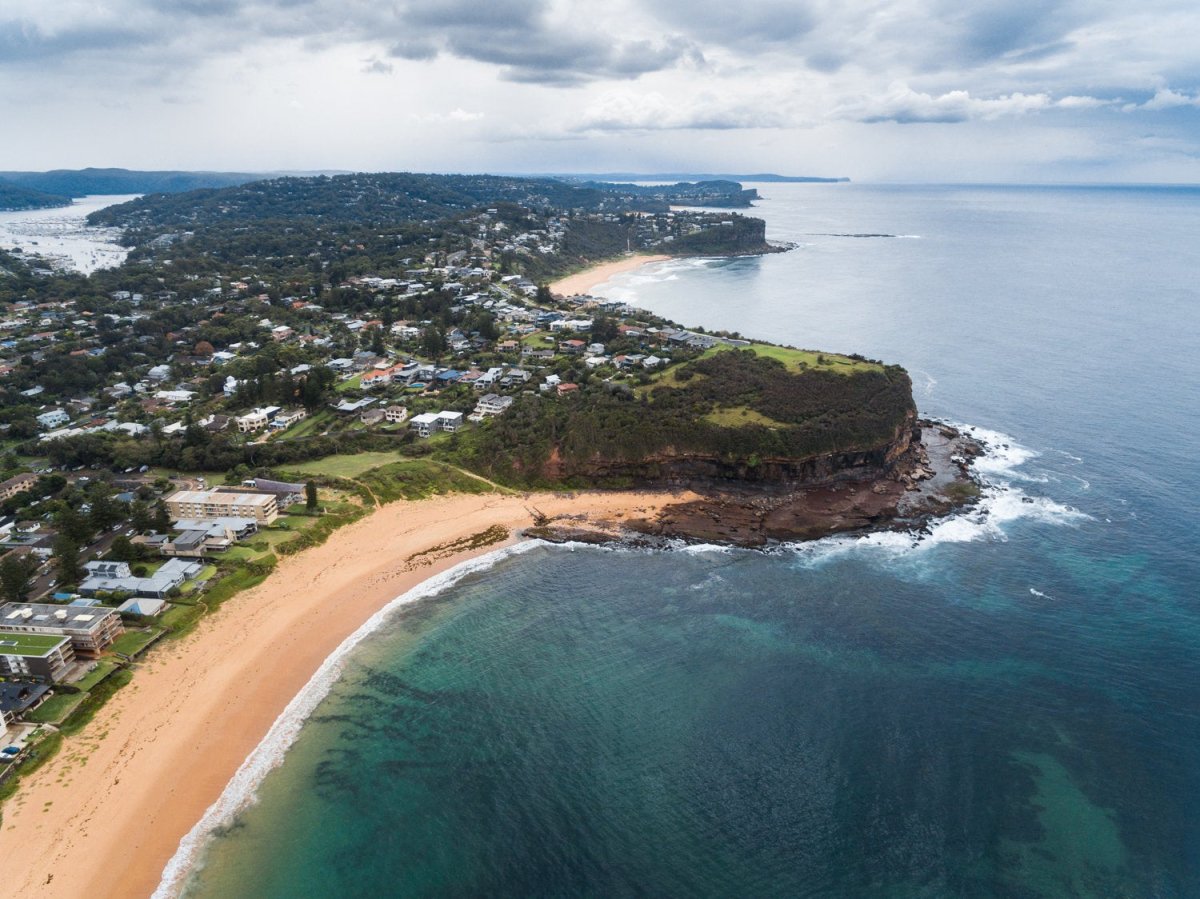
[593,276]
[108,812]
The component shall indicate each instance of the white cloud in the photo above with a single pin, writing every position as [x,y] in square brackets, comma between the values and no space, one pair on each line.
[900,103]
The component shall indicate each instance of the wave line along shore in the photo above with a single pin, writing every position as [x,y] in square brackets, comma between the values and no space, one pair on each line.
[105,816]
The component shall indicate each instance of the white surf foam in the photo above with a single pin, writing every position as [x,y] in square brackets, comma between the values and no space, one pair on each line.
[1001,503]
[242,790]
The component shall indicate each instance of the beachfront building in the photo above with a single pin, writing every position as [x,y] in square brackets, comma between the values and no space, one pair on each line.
[286,493]
[240,528]
[262,507]
[92,629]
[117,577]
[47,657]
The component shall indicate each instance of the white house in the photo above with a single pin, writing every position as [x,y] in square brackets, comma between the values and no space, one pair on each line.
[450,421]
[255,420]
[55,418]
[288,417]
[493,404]
[425,424]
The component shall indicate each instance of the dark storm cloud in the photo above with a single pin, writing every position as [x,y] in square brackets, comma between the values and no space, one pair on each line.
[520,36]
[22,41]
[733,24]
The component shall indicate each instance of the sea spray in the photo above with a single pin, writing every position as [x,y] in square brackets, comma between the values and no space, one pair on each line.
[242,789]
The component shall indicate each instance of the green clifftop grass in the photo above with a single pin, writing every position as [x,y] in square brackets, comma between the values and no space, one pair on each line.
[733,404]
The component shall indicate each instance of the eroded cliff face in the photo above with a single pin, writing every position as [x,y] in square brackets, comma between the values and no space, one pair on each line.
[690,469]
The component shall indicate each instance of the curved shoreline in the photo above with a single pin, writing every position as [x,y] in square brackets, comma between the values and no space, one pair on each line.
[587,280]
[242,789]
[108,813]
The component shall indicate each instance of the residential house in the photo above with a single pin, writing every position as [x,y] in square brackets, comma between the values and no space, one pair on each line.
[116,577]
[396,414]
[288,417]
[254,420]
[426,424]
[493,404]
[55,418]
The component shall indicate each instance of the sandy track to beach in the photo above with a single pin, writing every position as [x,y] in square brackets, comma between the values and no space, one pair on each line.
[104,817]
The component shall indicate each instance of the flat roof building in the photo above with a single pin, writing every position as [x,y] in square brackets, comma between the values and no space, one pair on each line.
[262,507]
[116,577]
[44,656]
[91,630]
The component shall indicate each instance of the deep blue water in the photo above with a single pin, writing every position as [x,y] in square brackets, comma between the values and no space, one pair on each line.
[1010,707]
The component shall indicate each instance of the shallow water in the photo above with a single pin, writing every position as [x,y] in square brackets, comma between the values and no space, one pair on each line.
[63,236]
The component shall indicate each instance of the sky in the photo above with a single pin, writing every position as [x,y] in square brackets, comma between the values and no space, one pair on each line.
[874,90]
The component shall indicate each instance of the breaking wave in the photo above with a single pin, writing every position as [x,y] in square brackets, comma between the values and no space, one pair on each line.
[242,790]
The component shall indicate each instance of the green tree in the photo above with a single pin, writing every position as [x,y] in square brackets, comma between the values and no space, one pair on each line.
[105,511]
[139,515]
[162,518]
[73,525]
[310,495]
[16,576]
[433,342]
[122,549]
[66,560]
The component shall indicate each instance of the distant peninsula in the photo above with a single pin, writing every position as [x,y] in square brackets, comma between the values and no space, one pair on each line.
[761,177]
[14,197]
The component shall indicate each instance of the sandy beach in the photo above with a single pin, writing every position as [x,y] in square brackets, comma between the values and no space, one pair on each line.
[587,280]
[104,817]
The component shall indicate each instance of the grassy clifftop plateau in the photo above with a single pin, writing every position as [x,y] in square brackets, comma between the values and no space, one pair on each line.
[761,414]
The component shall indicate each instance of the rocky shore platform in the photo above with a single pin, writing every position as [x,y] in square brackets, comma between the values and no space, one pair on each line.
[932,479]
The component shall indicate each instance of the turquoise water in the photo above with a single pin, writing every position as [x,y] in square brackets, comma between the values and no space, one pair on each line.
[1008,706]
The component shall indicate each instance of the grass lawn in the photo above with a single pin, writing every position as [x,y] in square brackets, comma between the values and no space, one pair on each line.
[340,466]
[103,669]
[354,383]
[131,642]
[813,359]
[36,645]
[737,416]
[419,478]
[240,554]
[539,340]
[274,537]
[56,708]
[318,421]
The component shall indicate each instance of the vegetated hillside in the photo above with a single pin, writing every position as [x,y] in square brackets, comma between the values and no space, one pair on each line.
[730,236]
[13,196]
[717,193]
[379,199]
[82,182]
[381,223]
[734,414]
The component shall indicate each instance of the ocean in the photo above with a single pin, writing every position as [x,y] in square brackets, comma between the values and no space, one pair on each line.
[1008,705]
